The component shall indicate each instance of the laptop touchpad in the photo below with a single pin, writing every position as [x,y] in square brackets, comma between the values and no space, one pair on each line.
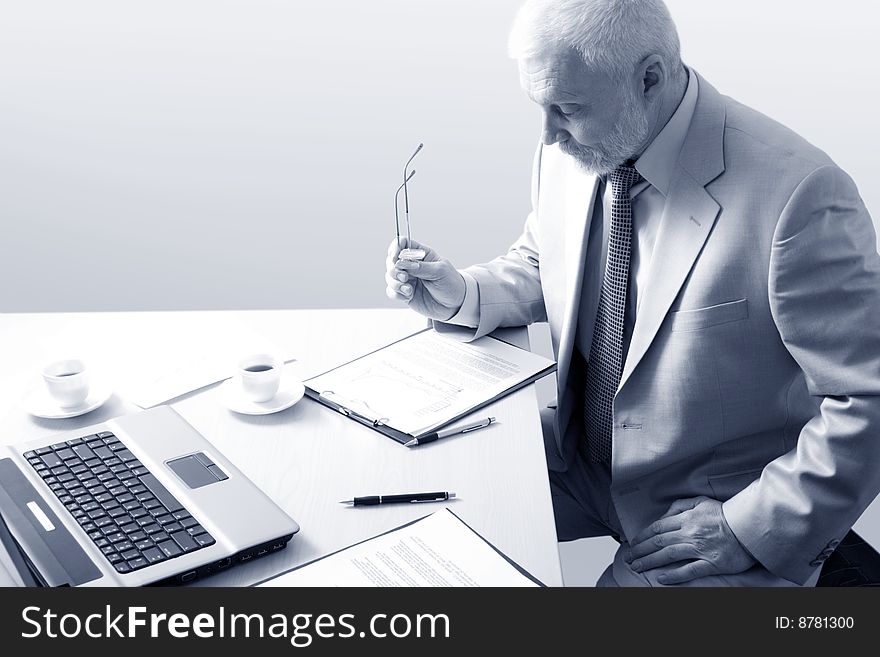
[196,470]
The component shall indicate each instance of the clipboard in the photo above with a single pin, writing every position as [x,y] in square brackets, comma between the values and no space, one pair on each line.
[382,423]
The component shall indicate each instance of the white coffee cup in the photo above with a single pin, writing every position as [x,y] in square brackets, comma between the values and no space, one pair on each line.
[260,376]
[67,381]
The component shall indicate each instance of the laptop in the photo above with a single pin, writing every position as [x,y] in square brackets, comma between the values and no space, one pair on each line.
[137,500]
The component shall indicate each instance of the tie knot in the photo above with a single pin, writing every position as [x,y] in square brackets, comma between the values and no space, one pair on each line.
[623,178]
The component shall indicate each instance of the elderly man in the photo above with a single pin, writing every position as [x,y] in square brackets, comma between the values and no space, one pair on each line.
[712,287]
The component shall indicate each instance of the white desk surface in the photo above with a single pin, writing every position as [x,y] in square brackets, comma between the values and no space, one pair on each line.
[307,458]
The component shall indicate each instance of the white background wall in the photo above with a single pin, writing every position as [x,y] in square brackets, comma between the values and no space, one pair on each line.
[183,154]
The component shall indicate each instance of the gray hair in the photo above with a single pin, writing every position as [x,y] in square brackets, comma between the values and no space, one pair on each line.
[611,35]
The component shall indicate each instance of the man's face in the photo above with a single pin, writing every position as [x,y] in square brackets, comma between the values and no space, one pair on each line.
[597,120]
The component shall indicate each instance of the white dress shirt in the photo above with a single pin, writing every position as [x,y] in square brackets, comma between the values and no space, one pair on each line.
[655,165]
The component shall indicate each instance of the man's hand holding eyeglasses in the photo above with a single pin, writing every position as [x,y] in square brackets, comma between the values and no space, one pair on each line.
[431,287]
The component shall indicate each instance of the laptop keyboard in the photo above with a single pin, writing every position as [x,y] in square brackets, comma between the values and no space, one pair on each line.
[126,512]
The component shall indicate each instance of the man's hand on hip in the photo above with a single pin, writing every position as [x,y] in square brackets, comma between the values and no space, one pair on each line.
[431,287]
[694,534]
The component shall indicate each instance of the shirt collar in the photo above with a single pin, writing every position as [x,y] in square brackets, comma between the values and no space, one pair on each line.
[657,163]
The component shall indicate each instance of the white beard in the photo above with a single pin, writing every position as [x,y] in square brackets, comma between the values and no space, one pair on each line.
[624,141]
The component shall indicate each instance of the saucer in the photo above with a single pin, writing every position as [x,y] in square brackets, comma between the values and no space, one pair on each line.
[290,392]
[41,404]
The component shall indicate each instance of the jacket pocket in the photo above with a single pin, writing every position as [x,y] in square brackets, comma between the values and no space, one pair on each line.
[725,486]
[700,318]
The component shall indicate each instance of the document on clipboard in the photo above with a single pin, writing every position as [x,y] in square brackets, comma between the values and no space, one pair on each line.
[425,381]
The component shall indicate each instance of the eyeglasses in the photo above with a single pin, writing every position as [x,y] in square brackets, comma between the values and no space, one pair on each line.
[407,176]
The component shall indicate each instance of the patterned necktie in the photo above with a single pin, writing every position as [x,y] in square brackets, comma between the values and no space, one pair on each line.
[606,350]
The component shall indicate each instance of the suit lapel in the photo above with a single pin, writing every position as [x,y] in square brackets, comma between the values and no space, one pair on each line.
[687,220]
[580,196]
[688,217]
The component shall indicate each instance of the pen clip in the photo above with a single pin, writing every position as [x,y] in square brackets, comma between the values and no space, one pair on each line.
[482,425]
[363,418]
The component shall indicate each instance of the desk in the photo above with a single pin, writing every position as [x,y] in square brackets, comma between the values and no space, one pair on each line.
[307,458]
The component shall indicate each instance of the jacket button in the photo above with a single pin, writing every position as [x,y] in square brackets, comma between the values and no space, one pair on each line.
[815,563]
[833,544]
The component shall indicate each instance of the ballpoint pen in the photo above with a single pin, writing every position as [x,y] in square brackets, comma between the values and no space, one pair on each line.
[437,435]
[404,498]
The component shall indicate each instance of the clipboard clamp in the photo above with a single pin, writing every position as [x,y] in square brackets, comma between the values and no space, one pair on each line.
[364,418]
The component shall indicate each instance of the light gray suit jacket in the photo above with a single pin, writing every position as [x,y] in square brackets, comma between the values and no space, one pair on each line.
[753,373]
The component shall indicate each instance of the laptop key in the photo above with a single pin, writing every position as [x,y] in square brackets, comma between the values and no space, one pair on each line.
[160,537]
[103,522]
[204,540]
[66,453]
[144,543]
[130,554]
[51,460]
[128,528]
[124,546]
[84,452]
[170,548]
[138,562]
[185,541]
[154,555]
[152,529]
[122,567]
[114,558]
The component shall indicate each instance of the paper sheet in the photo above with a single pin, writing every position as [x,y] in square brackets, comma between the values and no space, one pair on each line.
[422,382]
[439,550]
